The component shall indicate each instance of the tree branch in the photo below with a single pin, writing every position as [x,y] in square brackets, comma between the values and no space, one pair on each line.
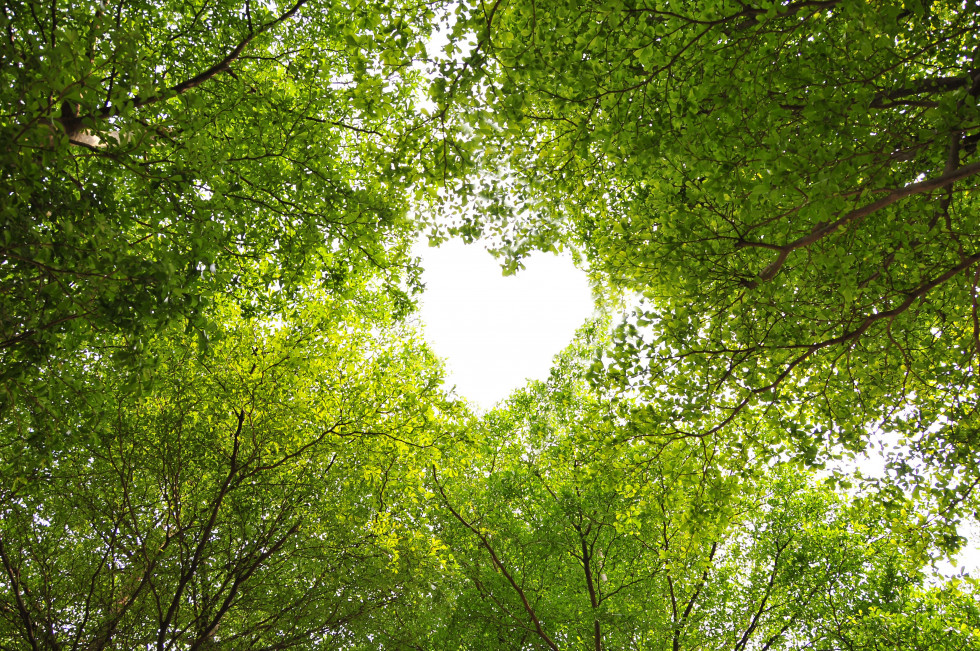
[866,323]
[240,578]
[740,645]
[680,623]
[204,536]
[919,87]
[73,124]
[823,230]
[22,611]
[498,564]
[590,583]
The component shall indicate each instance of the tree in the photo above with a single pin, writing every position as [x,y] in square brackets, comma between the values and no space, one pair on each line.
[791,186]
[566,533]
[157,155]
[257,499]
[217,429]
[939,618]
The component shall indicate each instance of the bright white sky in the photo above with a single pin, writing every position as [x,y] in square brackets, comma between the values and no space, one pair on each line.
[496,331]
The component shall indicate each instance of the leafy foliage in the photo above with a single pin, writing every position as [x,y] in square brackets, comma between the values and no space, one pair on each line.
[791,187]
[247,503]
[568,541]
[155,156]
[219,429]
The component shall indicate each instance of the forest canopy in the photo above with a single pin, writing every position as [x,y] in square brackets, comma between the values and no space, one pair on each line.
[220,423]
[791,189]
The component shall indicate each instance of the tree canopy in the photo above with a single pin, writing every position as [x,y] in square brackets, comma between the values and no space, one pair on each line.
[248,503]
[789,188]
[220,423]
[157,155]
[564,541]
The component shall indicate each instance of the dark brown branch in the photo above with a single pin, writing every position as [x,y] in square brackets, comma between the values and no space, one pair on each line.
[866,323]
[110,546]
[975,312]
[765,598]
[497,564]
[205,536]
[745,17]
[823,230]
[680,623]
[885,99]
[676,640]
[701,583]
[110,626]
[75,124]
[22,611]
[240,578]
[590,583]
[813,6]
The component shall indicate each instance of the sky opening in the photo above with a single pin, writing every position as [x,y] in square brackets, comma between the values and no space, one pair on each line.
[495,331]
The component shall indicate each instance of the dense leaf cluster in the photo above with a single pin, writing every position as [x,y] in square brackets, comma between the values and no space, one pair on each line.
[220,427]
[789,190]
